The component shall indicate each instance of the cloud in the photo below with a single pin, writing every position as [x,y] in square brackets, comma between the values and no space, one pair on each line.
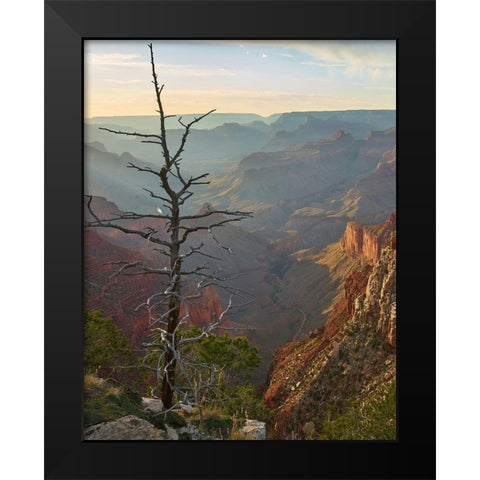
[192,71]
[369,59]
[374,60]
[129,61]
[113,59]
[340,75]
[325,65]
[378,53]
[123,82]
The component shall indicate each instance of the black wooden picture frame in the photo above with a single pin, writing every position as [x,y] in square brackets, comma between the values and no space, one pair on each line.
[412,25]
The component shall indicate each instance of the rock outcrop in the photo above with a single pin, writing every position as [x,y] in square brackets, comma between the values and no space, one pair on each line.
[191,432]
[354,286]
[132,427]
[129,427]
[379,306]
[152,406]
[254,430]
[368,241]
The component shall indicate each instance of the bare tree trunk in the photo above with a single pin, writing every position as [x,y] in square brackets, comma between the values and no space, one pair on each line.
[167,337]
[170,363]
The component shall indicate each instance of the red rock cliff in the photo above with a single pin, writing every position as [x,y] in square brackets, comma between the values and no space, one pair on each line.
[368,241]
[119,296]
[354,286]
[346,359]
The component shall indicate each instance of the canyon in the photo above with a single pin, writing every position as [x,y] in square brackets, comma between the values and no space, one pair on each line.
[315,266]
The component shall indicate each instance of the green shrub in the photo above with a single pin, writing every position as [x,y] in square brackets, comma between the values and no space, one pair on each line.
[105,346]
[174,419]
[372,419]
[242,402]
[237,358]
[220,427]
[110,407]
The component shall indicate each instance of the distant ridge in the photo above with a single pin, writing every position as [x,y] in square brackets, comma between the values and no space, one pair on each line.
[151,121]
[283,120]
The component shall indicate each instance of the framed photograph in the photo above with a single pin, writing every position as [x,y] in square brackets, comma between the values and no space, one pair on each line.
[226,227]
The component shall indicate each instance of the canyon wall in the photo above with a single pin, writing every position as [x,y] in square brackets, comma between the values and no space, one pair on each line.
[368,241]
[350,359]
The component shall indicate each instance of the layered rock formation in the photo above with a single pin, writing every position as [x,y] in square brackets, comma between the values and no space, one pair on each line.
[313,186]
[351,359]
[354,286]
[313,278]
[376,119]
[368,241]
[315,289]
[305,170]
[379,307]
[119,296]
[373,196]
[313,128]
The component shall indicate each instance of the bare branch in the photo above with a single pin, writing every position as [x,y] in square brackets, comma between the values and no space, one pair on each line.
[190,182]
[187,127]
[212,211]
[158,93]
[140,169]
[189,230]
[185,198]
[133,134]
[153,195]
[144,268]
[147,233]
[197,250]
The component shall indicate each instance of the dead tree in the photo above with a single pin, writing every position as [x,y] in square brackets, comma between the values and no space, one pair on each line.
[169,309]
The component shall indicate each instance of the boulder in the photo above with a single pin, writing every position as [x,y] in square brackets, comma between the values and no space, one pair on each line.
[186,408]
[254,430]
[129,427]
[193,433]
[152,405]
[171,433]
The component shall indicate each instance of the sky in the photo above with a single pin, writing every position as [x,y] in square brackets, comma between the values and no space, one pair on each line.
[235,76]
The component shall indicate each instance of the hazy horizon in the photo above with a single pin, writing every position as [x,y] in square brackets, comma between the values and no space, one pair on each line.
[261,77]
[241,113]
